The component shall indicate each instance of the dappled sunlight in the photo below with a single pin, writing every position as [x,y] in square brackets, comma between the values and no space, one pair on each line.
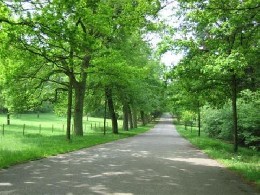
[100,189]
[63,181]
[141,154]
[5,184]
[29,182]
[81,186]
[112,165]
[157,162]
[117,173]
[196,161]
[110,174]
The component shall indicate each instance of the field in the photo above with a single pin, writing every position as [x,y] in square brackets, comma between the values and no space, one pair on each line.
[246,162]
[29,137]
[47,124]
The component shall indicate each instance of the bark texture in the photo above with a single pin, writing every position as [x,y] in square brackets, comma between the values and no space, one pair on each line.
[130,116]
[78,110]
[134,118]
[143,117]
[199,122]
[8,118]
[234,111]
[69,113]
[79,85]
[112,110]
[125,117]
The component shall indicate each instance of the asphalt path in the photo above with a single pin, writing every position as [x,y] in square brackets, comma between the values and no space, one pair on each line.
[158,162]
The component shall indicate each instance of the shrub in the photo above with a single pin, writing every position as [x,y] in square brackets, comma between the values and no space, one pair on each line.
[187,117]
[249,119]
[217,122]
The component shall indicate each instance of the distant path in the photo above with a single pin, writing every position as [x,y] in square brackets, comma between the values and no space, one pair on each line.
[159,162]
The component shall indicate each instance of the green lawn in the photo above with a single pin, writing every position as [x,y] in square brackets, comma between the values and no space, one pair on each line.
[47,124]
[45,136]
[246,162]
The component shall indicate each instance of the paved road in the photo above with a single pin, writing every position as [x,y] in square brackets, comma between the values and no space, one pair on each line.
[159,162]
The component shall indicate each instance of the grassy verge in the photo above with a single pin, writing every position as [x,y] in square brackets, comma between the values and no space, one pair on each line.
[246,162]
[34,144]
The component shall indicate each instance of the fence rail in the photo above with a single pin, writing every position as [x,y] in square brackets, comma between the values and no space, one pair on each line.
[26,128]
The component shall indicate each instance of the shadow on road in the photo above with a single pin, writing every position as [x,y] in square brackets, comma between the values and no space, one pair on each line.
[157,162]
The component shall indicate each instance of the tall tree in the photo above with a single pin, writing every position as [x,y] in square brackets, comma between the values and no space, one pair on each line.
[223,36]
[68,35]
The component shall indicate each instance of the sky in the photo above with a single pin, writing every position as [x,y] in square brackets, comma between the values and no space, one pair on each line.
[170,59]
[167,14]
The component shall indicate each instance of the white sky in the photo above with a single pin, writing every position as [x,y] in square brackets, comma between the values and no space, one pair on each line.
[170,59]
[167,15]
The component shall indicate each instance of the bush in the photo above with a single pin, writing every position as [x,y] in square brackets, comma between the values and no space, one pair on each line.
[217,122]
[249,119]
[187,117]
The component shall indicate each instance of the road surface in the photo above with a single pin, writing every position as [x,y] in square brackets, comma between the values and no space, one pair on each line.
[158,162]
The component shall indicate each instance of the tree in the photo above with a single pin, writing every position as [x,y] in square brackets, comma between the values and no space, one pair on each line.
[223,37]
[66,36]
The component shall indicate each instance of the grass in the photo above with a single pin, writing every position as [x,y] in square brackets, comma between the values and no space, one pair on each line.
[46,124]
[45,136]
[246,162]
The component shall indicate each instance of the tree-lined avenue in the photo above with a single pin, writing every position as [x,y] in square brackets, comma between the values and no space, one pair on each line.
[156,162]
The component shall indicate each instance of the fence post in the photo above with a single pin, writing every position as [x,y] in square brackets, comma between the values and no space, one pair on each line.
[23,129]
[3,129]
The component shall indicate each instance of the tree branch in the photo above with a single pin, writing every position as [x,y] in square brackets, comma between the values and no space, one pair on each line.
[5,20]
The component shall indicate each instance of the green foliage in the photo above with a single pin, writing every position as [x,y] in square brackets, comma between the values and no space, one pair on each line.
[224,65]
[58,42]
[219,42]
[128,72]
[45,107]
[187,117]
[217,122]
[249,120]
[60,106]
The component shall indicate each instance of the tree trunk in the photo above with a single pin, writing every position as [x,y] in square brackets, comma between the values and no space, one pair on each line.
[105,117]
[125,117]
[69,114]
[234,111]
[80,89]
[112,110]
[134,118]
[143,118]
[78,110]
[8,118]
[199,118]
[130,117]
